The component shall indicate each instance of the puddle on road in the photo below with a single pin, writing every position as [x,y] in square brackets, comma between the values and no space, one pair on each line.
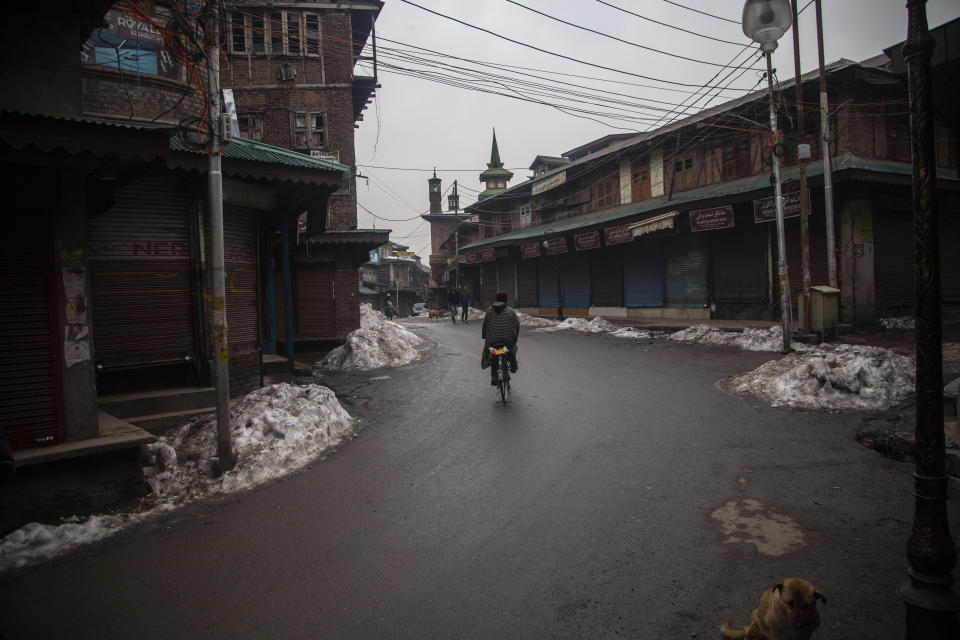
[749,521]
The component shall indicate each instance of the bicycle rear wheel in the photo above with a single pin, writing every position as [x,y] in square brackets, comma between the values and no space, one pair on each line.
[504,377]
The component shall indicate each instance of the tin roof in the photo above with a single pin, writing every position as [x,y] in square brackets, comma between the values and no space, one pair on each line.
[254,151]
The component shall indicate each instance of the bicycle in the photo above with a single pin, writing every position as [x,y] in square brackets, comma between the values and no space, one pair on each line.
[500,363]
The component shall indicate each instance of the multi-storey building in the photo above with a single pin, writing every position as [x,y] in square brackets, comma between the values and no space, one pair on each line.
[396,270]
[679,221]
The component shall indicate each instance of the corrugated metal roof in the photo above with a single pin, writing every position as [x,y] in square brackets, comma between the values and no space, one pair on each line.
[846,162]
[253,151]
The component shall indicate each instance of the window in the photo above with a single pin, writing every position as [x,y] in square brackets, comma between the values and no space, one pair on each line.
[293,34]
[525,217]
[308,130]
[606,193]
[736,160]
[251,126]
[258,35]
[640,180]
[311,34]
[684,175]
[238,33]
[276,33]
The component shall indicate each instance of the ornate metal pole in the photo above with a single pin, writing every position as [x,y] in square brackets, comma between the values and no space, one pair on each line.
[931,601]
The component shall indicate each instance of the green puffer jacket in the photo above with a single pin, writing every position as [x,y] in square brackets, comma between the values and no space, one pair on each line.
[501,324]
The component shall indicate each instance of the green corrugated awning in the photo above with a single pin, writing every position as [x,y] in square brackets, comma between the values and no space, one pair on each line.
[253,151]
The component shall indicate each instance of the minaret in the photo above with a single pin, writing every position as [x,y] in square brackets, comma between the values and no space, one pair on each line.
[495,177]
[436,201]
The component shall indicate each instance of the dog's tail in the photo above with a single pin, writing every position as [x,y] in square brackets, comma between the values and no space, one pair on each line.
[730,632]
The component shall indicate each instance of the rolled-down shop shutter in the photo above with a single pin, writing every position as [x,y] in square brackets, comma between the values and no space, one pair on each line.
[643,273]
[508,279]
[949,256]
[547,281]
[488,293]
[686,270]
[606,277]
[28,382]
[740,264]
[314,312]
[527,283]
[240,276]
[818,253]
[576,279]
[140,276]
[893,259]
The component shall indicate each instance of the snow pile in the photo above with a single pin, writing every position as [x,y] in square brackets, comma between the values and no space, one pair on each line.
[905,322]
[832,377]
[636,333]
[377,343]
[527,320]
[473,314]
[750,340]
[597,325]
[275,430]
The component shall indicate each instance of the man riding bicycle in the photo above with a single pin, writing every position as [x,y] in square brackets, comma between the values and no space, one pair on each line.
[500,326]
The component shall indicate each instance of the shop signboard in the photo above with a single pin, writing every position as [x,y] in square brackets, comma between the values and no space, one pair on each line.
[585,241]
[617,235]
[487,255]
[530,250]
[555,245]
[765,209]
[714,218]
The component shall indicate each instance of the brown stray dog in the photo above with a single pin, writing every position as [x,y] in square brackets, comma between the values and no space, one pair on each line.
[787,611]
[435,314]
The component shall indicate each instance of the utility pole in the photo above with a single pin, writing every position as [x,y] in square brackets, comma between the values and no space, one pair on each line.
[825,150]
[225,453]
[456,237]
[802,163]
[929,593]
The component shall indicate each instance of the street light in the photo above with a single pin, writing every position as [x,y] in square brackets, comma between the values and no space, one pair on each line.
[765,21]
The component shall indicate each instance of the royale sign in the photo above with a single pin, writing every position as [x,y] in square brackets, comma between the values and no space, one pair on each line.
[765,209]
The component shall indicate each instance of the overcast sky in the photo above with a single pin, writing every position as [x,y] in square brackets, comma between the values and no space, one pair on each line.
[415,124]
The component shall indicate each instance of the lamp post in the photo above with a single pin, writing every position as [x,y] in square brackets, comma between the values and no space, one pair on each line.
[765,22]
[931,600]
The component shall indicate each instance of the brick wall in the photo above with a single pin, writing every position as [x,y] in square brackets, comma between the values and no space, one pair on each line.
[102,94]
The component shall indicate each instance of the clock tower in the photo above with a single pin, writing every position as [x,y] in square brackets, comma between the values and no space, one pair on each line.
[436,201]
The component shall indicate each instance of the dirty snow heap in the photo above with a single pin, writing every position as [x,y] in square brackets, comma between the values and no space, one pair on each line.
[838,376]
[377,343]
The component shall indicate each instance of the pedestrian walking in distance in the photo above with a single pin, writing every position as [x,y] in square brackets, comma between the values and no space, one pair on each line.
[453,300]
[465,302]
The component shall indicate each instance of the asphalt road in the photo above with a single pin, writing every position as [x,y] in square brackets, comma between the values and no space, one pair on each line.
[620,495]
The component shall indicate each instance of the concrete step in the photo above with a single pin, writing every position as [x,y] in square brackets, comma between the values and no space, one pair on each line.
[158,423]
[128,405]
[273,363]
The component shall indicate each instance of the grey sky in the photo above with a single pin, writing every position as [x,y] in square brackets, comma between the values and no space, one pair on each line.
[418,124]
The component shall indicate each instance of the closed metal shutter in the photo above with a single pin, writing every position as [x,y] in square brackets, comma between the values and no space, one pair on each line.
[893,259]
[140,276]
[547,281]
[314,312]
[606,277]
[527,284]
[740,264]
[686,270]
[29,389]
[488,294]
[576,279]
[508,280]
[643,273]
[240,276]
[949,256]
[818,254]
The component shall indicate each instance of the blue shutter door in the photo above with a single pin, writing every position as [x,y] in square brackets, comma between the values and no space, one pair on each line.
[576,279]
[527,283]
[686,270]
[643,273]
[548,281]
